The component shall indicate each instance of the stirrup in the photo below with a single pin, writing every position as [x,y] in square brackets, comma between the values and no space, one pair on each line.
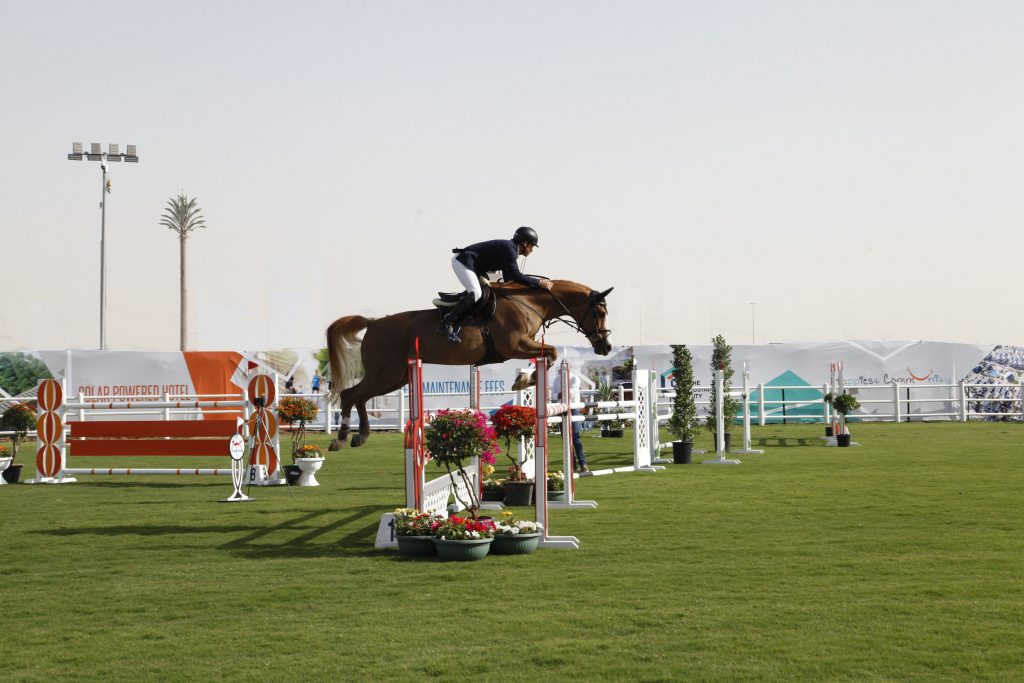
[450,331]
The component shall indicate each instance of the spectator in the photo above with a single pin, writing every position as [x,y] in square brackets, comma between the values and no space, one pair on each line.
[574,397]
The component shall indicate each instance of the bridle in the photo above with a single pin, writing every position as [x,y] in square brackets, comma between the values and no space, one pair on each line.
[567,317]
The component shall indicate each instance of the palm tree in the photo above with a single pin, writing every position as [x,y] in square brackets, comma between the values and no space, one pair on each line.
[182,216]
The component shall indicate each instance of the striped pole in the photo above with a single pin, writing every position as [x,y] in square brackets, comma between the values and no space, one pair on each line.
[540,447]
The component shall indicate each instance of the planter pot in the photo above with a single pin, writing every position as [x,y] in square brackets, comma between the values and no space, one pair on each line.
[518,493]
[728,441]
[843,440]
[292,474]
[828,431]
[611,433]
[416,546]
[4,464]
[309,467]
[13,473]
[682,452]
[515,544]
[462,551]
[493,495]
[557,496]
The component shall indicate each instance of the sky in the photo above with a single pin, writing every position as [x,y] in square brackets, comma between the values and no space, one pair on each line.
[769,171]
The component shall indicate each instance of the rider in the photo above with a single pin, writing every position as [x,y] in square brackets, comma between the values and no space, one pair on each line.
[482,258]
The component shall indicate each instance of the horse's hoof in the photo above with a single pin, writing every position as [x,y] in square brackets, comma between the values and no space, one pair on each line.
[525,379]
[334,445]
[357,441]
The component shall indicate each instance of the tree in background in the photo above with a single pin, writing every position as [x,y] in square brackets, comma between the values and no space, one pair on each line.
[182,216]
[683,423]
[721,358]
[20,372]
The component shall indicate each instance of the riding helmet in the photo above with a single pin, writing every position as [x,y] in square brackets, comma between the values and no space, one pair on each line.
[524,234]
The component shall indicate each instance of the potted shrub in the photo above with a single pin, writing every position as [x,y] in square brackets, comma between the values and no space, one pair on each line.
[309,460]
[493,490]
[844,404]
[556,486]
[463,538]
[414,531]
[606,392]
[19,418]
[453,438]
[513,423]
[683,423]
[515,537]
[721,359]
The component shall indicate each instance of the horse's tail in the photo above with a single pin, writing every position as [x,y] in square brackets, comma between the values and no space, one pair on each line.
[341,350]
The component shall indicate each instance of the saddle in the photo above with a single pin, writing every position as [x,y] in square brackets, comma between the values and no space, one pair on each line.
[480,314]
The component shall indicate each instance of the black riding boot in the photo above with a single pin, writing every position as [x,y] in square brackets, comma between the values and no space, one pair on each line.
[449,326]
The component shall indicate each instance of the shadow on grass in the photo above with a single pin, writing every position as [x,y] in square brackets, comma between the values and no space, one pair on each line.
[784,442]
[296,536]
[224,483]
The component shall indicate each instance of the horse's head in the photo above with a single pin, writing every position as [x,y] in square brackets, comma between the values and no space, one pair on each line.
[594,322]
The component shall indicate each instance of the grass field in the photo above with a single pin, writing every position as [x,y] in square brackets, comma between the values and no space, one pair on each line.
[900,560]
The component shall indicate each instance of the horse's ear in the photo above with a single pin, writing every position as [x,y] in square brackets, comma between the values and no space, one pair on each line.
[598,297]
[606,292]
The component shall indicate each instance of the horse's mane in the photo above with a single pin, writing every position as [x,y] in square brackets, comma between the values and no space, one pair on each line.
[510,285]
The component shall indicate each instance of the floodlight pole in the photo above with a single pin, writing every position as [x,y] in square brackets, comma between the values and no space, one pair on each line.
[96,154]
[103,256]
[753,320]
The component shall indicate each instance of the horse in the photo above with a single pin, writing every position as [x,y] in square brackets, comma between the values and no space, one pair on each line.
[387,344]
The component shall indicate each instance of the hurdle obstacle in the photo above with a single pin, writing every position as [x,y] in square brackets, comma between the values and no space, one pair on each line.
[58,440]
[540,450]
[640,413]
[838,386]
[744,395]
[421,494]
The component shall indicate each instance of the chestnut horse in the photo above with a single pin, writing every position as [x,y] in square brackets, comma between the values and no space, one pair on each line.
[389,342]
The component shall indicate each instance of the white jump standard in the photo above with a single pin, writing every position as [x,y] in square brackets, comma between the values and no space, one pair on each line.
[744,394]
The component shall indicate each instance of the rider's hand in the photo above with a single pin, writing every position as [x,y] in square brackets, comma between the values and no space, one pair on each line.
[546,283]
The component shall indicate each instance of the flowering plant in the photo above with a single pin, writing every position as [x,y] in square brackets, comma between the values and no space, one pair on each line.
[309,451]
[454,436]
[464,529]
[5,451]
[494,484]
[514,422]
[556,481]
[293,409]
[509,525]
[409,522]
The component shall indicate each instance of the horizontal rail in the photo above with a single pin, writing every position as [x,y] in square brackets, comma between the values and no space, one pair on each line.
[154,428]
[149,447]
[129,405]
[146,470]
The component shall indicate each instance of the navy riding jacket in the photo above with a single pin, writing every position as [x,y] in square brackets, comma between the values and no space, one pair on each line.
[495,255]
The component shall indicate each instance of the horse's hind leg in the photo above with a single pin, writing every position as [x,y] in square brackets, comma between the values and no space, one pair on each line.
[358,396]
[364,425]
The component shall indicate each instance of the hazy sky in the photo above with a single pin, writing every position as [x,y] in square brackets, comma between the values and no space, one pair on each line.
[854,168]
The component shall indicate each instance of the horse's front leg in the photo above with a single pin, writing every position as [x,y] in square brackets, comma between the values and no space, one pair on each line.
[530,348]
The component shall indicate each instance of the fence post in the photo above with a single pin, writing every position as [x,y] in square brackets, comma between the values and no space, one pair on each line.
[963,401]
[760,405]
[896,402]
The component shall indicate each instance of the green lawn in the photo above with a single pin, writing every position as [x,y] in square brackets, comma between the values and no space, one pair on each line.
[899,560]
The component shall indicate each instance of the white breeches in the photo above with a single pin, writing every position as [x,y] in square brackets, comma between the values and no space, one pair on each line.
[468,278]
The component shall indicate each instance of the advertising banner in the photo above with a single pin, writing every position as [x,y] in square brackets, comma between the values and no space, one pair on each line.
[793,372]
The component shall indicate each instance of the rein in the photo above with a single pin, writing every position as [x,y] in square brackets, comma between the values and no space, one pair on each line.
[561,317]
